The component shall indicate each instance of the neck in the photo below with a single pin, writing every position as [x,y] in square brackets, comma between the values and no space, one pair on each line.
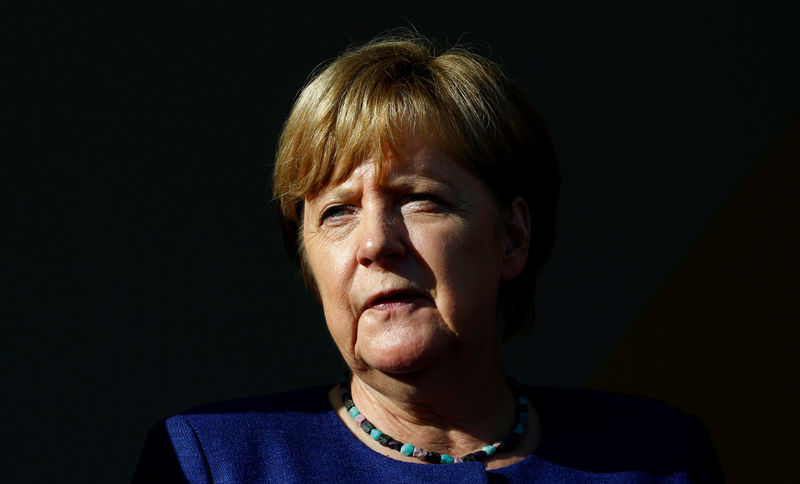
[446,410]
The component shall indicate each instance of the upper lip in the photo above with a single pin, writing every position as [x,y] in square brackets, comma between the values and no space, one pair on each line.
[390,293]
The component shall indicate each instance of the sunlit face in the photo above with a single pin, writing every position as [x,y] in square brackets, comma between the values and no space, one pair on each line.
[407,267]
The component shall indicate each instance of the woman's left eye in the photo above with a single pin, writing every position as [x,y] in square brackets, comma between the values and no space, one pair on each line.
[424,198]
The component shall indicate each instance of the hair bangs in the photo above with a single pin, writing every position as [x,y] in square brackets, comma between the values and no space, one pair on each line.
[340,129]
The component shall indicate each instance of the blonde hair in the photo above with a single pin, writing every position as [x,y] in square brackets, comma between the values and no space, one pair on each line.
[373,98]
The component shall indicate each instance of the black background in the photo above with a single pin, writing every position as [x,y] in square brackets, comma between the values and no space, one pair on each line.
[143,271]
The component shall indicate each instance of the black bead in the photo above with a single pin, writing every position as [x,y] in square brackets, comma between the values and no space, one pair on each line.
[434,457]
[394,444]
[366,426]
[479,455]
[468,458]
[384,439]
[348,403]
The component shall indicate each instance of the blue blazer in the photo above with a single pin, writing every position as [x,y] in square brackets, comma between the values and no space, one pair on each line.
[296,436]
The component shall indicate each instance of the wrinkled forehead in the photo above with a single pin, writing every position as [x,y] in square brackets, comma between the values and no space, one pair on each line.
[405,158]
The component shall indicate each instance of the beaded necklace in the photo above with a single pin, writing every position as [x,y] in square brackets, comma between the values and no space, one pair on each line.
[518,427]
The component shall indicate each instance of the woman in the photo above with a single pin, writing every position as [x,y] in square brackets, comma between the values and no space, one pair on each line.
[417,191]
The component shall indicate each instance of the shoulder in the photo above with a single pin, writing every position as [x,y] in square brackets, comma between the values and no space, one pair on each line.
[228,440]
[252,420]
[605,432]
[261,415]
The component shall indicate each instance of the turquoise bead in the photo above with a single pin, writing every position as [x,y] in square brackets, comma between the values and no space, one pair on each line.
[446,459]
[354,412]
[407,449]
[489,449]
[375,433]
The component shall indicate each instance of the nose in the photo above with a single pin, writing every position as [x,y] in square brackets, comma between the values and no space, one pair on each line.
[381,239]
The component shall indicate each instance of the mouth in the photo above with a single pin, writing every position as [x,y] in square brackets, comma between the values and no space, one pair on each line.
[391,299]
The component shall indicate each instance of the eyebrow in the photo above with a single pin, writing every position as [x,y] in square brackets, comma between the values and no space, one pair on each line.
[396,183]
[338,192]
[410,180]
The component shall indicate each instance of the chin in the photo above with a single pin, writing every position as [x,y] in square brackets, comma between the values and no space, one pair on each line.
[406,353]
[399,366]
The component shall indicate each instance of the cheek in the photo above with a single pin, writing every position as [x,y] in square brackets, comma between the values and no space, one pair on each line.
[465,261]
[328,267]
[459,248]
[329,272]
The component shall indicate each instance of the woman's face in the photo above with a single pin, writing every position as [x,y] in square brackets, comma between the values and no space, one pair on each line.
[408,266]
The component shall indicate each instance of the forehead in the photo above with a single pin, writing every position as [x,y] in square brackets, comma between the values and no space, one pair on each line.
[412,164]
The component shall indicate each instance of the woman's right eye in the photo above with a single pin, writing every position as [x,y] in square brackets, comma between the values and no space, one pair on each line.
[334,212]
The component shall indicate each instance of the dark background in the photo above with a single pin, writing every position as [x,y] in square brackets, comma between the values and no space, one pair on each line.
[142,268]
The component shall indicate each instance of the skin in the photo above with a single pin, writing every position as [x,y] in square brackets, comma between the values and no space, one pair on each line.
[408,267]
